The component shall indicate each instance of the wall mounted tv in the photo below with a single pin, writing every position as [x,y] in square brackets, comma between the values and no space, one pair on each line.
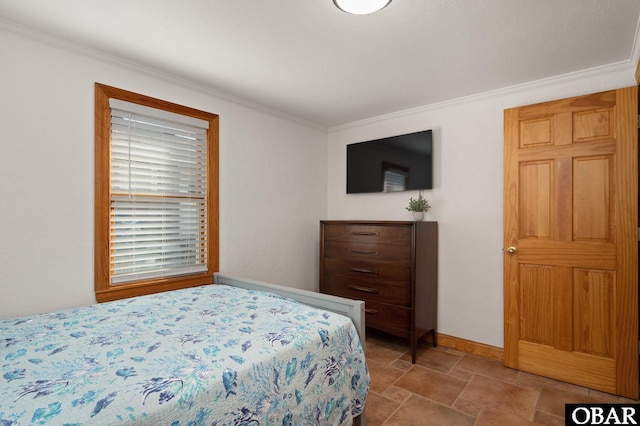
[397,163]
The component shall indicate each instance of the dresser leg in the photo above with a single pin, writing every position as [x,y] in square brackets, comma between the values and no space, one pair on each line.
[414,349]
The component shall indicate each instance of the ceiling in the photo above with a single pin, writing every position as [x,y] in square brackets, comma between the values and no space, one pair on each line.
[308,59]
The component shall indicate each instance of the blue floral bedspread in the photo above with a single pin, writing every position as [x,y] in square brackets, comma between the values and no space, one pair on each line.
[211,355]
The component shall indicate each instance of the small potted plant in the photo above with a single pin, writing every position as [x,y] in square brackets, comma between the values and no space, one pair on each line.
[418,207]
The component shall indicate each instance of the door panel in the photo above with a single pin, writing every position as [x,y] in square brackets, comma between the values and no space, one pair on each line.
[592,206]
[536,180]
[537,318]
[593,320]
[570,275]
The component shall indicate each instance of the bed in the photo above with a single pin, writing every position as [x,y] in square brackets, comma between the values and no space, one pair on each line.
[239,352]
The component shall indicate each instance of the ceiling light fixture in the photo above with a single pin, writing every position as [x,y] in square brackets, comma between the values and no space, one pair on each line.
[361,7]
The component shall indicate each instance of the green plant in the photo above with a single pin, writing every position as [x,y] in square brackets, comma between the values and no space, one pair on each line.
[418,205]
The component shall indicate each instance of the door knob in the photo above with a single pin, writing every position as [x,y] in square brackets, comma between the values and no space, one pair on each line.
[512,250]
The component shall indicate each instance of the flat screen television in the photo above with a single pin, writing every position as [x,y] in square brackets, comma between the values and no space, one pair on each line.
[396,163]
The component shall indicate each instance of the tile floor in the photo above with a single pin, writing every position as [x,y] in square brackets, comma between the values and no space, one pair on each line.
[449,387]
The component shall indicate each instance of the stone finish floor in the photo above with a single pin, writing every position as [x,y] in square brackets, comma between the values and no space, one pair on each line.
[449,387]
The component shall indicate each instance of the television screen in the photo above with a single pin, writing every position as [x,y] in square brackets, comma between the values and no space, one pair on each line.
[397,163]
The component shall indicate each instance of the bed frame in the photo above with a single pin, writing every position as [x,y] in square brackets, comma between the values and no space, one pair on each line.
[353,309]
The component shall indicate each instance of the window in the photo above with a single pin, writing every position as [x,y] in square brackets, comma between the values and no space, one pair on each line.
[156,210]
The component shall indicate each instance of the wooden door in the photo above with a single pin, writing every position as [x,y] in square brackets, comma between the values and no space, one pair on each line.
[570,240]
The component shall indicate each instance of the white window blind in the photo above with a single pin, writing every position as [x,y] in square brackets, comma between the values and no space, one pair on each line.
[158,212]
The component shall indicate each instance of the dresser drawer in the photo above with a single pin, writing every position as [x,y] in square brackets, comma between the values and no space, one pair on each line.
[390,318]
[368,290]
[396,272]
[366,251]
[396,235]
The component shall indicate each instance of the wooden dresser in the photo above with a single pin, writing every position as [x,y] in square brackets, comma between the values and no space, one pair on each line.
[392,266]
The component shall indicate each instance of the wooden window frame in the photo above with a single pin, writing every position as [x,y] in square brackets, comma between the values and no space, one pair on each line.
[105,291]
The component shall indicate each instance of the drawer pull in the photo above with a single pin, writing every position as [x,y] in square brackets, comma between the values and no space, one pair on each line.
[364,271]
[364,289]
[375,234]
[371,311]
[364,252]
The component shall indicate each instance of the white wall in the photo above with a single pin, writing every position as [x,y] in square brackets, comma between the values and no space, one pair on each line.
[467,196]
[272,176]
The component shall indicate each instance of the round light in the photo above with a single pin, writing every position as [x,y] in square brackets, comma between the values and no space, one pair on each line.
[361,7]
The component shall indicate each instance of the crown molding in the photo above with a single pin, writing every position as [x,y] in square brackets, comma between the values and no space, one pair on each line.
[622,66]
[100,55]
[632,66]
